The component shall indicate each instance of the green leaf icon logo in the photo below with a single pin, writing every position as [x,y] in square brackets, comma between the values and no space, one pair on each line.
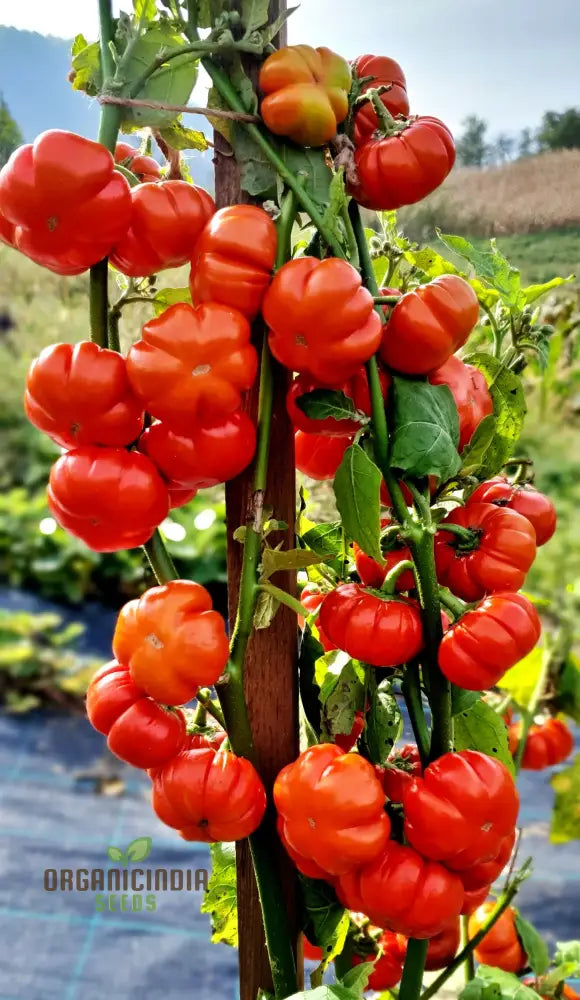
[116,854]
[139,849]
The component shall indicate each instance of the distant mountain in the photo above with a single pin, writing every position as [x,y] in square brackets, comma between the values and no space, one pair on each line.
[33,82]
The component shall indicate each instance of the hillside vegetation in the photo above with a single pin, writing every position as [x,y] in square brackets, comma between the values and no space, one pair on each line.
[531,195]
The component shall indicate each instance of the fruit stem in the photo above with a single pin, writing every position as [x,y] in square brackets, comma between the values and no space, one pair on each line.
[386,300]
[390,581]
[387,124]
[161,562]
[204,698]
[469,967]
[452,603]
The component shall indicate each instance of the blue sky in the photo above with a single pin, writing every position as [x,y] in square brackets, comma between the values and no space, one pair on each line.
[506,60]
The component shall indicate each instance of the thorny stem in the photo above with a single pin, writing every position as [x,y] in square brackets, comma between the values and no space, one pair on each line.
[501,905]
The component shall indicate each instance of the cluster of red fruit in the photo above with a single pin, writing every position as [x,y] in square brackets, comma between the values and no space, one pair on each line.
[168,644]
[397,160]
[459,820]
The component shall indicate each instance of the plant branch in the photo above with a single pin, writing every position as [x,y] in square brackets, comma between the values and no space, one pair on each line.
[501,905]
[379,418]
[133,102]
[204,698]
[411,688]
[281,595]
[386,300]
[469,967]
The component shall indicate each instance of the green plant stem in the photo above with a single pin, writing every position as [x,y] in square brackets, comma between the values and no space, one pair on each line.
[389,583]
[351,238]
[465,535]
[200,717]
[413,970]
[159,558]
[452,603]
[232,98]
[386,300]
[469,967]
[438,687]
[281,595]
[379,417]
[230,688]
[411,688]
[528,715]
[205,700]
[99,303]
[501,905]
[109,121]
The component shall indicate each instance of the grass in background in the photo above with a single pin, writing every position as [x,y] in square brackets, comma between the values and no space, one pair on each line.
[532,195]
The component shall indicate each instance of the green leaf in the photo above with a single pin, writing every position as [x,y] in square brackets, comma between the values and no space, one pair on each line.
[462,701]
[254,14]
[474,457]
[489,265]
[274,560]
[567,951]
[326,539]
[520,681]
[145,10]
[509,407]
[568,688]
[266,608]
[552,980]
[139,849]
[357,978]
[341,683]
[208,12]
[566,812]
[510,986]
[487,297]
[337,205]
[534,947]
[172,83]
[425,431]
[166,297]
[325,920]
[357,486]
[432,264]
[384,723]
[260,178]
[533,292]
[116,855]
[86,64]
[220,898]
[480,728]
[310,652]
[478,989]
[178,136]
[320,404]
